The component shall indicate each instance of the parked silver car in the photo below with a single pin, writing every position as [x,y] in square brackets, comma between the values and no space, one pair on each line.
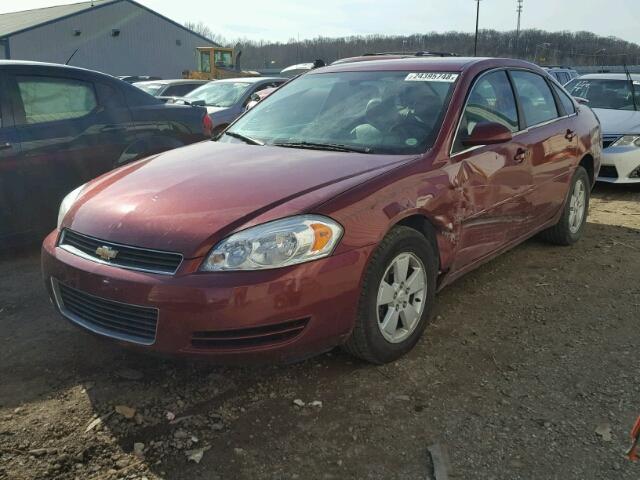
[615,98]
[226,99]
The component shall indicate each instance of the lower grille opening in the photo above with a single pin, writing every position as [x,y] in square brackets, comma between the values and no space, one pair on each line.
[608,171]
[249,337]
[133,323]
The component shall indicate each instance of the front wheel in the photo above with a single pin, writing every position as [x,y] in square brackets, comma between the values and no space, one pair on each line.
[397,297]
[570,227]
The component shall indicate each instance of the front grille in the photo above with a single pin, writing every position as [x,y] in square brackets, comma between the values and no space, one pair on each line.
[608,171]
[248,337]
[133,258]
[608,140]
[123,321]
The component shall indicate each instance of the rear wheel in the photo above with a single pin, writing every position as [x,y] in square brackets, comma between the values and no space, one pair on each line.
[397,297]
[570,227]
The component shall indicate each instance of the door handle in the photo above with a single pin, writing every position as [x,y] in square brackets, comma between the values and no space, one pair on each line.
[520,156]
[570,134]
[5,146]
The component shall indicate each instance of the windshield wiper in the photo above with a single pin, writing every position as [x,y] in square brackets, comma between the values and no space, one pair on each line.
[333,147]
[244,138]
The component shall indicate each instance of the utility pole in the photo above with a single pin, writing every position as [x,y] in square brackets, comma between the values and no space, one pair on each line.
[519,10]
[475,45]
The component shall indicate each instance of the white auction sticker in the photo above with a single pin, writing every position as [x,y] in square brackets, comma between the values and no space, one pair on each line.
[431,77]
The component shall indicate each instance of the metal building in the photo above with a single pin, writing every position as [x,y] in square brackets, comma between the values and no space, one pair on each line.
[119,37]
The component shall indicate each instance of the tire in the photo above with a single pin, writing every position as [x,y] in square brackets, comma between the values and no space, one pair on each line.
[569,229]
[367,340]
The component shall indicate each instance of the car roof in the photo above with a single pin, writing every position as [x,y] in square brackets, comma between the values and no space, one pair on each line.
[176,81]
[250,79]
[31,63]
[426,64]
[608,76]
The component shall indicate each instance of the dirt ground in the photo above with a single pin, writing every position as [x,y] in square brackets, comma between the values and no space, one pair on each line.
[529,371]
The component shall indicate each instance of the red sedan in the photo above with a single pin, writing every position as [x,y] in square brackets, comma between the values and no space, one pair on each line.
[329,214]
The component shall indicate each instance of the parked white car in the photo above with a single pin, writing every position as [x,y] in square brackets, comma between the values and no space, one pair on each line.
[616,102]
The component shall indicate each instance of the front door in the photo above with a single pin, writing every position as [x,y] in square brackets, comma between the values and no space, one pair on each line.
[13,196]
[62,130]
[494,179]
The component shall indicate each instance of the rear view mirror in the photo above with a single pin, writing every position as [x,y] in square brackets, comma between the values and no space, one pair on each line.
[255,97]
[488,133]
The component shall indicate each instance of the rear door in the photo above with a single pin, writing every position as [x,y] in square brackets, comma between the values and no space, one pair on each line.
[551,145]
[496,178]
[67,137]
[13,196]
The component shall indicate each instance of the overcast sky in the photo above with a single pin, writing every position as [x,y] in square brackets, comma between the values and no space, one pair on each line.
[284,19]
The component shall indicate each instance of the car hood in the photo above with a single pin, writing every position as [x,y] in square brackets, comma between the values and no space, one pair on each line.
[185,200]
[618,122]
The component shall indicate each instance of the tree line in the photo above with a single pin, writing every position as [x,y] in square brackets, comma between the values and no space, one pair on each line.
[539,46]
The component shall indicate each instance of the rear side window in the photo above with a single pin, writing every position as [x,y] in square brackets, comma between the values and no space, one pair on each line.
[536,99]
[566,102]
[490,100]
[49,99]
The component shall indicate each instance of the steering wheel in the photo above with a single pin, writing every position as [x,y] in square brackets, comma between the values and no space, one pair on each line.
[409,124]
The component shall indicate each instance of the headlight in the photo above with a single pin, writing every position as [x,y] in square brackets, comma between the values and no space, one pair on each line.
[67,203]
[275,244]
[627,141]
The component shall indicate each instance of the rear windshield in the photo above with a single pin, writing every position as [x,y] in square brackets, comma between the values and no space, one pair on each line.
[377,112]
[150,88]
[219,94]
[603,93]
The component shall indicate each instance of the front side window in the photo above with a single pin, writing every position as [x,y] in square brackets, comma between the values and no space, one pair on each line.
[48,99]
[223,59]
[219,94]
[536,99]
[613,94]
[387,112]
[490,100]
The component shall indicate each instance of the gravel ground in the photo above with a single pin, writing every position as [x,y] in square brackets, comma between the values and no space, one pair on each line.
[527,372]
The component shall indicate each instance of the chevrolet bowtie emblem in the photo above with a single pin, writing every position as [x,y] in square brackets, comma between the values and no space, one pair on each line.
[106,253]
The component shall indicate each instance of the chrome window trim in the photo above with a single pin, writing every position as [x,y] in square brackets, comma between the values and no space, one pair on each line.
[93,328]
[515,134]
[74,251]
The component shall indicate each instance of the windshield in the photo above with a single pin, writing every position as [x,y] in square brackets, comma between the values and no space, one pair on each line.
[150,88]
[604,93]
[219,94]
[374,112]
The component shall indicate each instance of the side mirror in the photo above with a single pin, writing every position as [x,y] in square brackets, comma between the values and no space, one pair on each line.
[488,133]
[581,100]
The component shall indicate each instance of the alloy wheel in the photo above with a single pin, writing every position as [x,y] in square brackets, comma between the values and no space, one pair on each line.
[577,206]
[401,297]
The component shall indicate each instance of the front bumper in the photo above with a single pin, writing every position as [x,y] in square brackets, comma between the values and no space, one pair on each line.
[618,165]
[233,308]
